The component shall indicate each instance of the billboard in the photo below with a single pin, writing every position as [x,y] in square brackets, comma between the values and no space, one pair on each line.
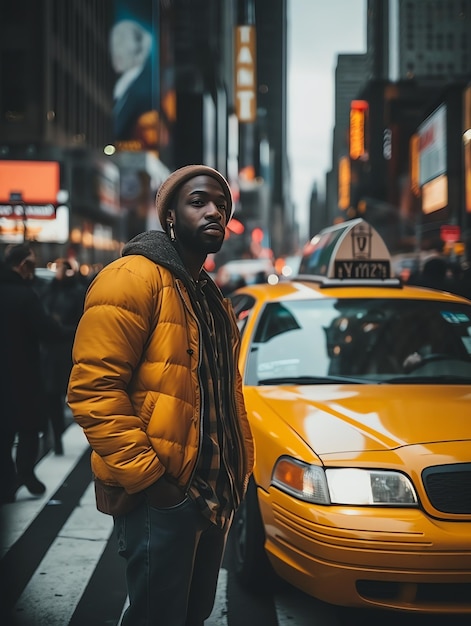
[29,202]
[134,55]
[38,182]
[432,146]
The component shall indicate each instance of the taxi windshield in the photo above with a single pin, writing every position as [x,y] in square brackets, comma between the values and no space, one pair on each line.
[361,341]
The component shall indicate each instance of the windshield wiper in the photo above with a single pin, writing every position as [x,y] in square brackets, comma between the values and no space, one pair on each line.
[443,379]
[312,380]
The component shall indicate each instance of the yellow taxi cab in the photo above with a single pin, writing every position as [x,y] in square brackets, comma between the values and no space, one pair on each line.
[358,391]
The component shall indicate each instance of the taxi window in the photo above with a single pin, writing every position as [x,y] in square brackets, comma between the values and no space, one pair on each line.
[317,259]
[369,340]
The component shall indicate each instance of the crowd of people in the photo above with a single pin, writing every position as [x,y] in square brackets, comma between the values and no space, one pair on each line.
[37,327]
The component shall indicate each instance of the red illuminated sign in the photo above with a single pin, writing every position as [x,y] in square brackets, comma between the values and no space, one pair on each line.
[37,181]
[450,233]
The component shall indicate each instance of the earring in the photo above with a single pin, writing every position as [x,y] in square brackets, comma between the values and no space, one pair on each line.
[171,231]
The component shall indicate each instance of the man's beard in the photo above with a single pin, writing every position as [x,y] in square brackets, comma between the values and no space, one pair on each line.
[196,242]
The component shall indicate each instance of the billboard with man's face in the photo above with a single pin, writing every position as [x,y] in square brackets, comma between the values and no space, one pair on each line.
[134,55]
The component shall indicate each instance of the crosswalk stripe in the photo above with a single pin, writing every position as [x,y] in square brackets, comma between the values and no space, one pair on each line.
[102,601]
[219,615]
[64,572]
[24,556]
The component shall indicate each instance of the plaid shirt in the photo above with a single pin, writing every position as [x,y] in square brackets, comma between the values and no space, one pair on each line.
[211,488]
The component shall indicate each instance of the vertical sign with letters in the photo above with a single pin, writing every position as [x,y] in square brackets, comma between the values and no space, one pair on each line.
[245,73]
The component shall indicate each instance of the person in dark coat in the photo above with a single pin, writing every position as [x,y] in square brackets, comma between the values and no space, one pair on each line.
[63,298]
[434,275]
[23,323]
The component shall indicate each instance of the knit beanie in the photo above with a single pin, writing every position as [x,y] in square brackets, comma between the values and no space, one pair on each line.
[169,187]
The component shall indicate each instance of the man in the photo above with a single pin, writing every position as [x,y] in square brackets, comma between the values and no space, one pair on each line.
[156,387]
[23,325]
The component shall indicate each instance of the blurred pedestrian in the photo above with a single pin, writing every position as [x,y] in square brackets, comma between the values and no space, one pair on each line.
[63,298]
[156,387]
[464,284]
[23,323]
[434,275]
[260,278]
[460,279]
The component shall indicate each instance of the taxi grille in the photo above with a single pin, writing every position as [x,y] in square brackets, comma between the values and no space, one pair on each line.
[448,487]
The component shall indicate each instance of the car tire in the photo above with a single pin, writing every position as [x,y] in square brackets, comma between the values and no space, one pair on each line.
[252,566]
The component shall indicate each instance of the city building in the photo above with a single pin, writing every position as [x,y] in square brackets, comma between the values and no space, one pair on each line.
[433,39]
[56,109]
[351,73]
[114,94]
[404,166]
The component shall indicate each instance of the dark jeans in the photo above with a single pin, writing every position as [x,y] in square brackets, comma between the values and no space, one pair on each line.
[173,557]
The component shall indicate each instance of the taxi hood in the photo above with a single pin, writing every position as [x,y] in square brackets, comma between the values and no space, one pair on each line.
[335,419]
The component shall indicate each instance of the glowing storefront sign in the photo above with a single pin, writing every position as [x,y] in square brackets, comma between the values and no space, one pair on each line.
[344,183]
[435,194]
[54,229]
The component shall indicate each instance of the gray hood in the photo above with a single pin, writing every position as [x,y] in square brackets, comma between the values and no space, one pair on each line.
[156,246]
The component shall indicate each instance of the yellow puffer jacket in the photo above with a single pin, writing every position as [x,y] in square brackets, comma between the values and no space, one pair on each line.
[134,386]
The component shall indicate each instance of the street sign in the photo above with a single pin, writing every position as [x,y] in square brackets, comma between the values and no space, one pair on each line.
[450,233]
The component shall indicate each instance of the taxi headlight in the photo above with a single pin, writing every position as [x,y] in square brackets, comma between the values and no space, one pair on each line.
[361,486]
[343,485]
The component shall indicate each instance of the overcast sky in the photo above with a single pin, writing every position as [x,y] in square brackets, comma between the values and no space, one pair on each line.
[318,30]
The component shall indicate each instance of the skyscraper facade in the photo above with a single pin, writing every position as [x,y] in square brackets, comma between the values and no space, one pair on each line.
[434,39]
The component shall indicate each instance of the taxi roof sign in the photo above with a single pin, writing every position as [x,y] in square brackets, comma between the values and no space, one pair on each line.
[352,252]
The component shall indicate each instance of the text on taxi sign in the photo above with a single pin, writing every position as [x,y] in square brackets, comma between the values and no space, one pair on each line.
[379,270]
